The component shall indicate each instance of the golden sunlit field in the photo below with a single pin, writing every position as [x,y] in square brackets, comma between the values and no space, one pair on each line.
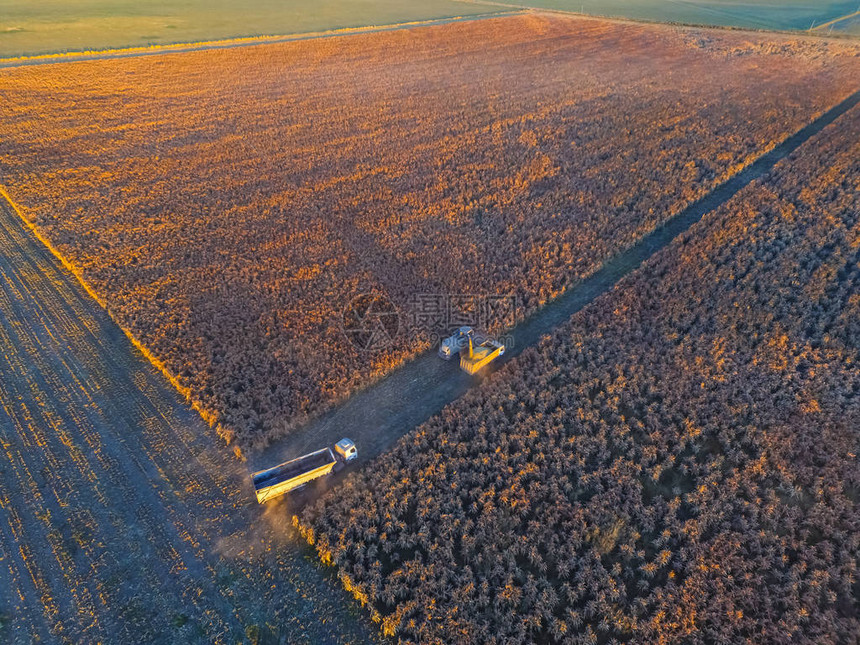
[666,453]
[228,205]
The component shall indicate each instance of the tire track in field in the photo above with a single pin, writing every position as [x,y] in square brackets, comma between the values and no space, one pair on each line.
[380,414]
[120,519]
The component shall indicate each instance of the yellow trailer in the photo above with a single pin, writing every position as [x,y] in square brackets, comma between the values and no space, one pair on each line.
[478,356]
[294,474]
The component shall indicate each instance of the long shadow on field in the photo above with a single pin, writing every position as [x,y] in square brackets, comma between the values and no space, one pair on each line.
[382,413]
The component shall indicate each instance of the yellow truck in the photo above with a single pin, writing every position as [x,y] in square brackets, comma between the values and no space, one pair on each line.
[475,349]
[296,473]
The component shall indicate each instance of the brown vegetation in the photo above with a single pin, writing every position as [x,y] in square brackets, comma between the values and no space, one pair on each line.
[677,465]
[121,521]
[227,205]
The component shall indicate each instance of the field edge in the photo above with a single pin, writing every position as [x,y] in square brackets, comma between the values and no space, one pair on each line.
[208,417]
[242,41]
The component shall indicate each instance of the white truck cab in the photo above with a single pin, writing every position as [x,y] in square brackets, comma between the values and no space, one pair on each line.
[454,343]
[346,450]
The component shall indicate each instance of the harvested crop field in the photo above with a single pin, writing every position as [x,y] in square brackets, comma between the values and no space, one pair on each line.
[677,464]
[759,14]
[120,520]
[228,205]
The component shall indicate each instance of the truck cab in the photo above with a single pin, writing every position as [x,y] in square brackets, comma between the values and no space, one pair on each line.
[345,450]
[454,343]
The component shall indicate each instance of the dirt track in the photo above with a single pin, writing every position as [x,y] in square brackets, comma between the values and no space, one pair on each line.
[120,521]
[382,413]
[71,57]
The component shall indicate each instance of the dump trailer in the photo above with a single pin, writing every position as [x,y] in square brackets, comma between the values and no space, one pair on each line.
[294,474]
[481,352]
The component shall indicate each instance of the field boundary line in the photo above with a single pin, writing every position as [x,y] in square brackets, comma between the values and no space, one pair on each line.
[830,23]
[669,23]
[246,41]
[208,417]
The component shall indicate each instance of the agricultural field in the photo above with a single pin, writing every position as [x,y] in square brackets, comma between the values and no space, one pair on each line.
[120,519]
[36,27]
[762,14]
[228,206]
[849,26]
[32,27]
[677,463]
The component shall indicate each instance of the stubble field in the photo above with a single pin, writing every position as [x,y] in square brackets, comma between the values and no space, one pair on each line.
[228,205]
[121,520]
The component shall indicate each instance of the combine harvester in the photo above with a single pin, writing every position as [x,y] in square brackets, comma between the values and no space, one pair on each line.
[476,350]
[296,473]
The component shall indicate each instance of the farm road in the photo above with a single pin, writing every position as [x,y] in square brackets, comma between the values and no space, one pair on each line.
[120,520]
[158,50]
[382,413]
